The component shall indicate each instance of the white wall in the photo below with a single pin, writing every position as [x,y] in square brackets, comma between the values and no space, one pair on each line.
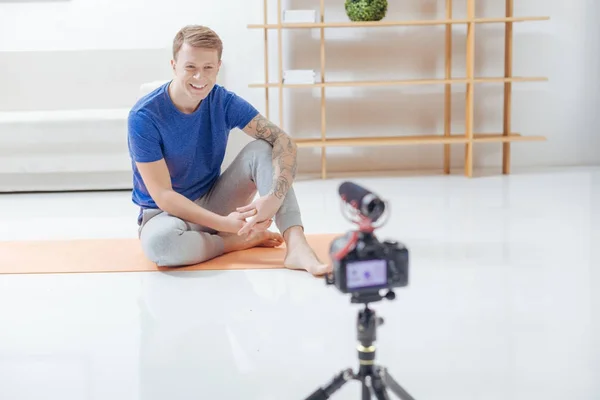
[134,27]
[95,53]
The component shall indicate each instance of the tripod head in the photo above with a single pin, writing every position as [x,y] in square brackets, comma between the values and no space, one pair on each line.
[367,322]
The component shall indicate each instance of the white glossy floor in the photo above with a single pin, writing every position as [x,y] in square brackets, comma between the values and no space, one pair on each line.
[503,303]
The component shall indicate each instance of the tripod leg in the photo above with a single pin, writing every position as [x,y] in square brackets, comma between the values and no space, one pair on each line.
[337,382]
[379,389]
[366,391]
[393,385]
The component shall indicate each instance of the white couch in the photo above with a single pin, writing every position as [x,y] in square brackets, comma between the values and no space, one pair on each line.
[73,149]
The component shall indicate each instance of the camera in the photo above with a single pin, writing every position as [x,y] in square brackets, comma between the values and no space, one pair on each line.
[364,267]
[362,264]
[370,265]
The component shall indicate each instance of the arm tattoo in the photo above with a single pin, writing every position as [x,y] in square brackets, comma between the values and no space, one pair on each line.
[265,129]
[284,153]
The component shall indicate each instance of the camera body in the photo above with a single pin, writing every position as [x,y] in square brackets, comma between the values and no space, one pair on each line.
[367,265]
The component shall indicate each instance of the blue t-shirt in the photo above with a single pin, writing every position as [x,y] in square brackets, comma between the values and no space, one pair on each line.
[193,145]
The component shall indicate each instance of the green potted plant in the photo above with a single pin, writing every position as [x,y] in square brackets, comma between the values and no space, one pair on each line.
[366,10]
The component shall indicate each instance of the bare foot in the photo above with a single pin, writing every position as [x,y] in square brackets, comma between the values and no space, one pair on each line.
[304,258]
[234,242]
[300,255]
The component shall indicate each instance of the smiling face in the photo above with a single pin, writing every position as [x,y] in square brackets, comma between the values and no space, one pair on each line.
[195,72]
[196,63]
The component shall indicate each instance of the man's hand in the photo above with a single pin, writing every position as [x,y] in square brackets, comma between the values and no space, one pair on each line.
[236,220]
[265,207]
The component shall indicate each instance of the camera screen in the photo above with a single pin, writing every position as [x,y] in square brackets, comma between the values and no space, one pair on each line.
[362,274]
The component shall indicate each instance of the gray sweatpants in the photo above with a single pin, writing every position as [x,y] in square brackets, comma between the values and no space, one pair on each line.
[170,241]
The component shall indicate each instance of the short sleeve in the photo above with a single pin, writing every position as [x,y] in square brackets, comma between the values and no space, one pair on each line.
[143,138]
[238,111]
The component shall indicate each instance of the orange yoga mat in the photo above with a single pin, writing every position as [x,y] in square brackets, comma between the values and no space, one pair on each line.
[125,255]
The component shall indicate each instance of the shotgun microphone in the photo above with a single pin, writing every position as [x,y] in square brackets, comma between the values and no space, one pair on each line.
[363,200]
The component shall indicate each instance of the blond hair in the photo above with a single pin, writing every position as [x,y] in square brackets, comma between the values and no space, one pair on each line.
[197,36]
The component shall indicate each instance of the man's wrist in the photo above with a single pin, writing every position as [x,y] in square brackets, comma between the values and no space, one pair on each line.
[220,223]
[210,220]
[276,196]
[215,223]
[281,186]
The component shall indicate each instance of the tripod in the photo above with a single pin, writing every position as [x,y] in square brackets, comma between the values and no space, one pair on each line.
[375,379]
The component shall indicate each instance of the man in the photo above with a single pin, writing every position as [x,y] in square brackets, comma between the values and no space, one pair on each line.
[177,137]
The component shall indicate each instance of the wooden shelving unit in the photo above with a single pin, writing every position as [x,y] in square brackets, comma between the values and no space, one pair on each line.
[468,138]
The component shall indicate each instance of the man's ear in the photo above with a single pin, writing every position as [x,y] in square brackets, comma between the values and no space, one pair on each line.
[173,65]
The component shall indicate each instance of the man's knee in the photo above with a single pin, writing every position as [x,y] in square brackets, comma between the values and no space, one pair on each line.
[258,148]
[159,240]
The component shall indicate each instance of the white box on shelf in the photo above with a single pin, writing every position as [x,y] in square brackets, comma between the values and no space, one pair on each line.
[299,16]
[299,76]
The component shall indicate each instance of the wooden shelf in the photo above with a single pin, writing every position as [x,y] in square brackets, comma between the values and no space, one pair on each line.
[469,139]
[416,140]
[399,82]
[351,24]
